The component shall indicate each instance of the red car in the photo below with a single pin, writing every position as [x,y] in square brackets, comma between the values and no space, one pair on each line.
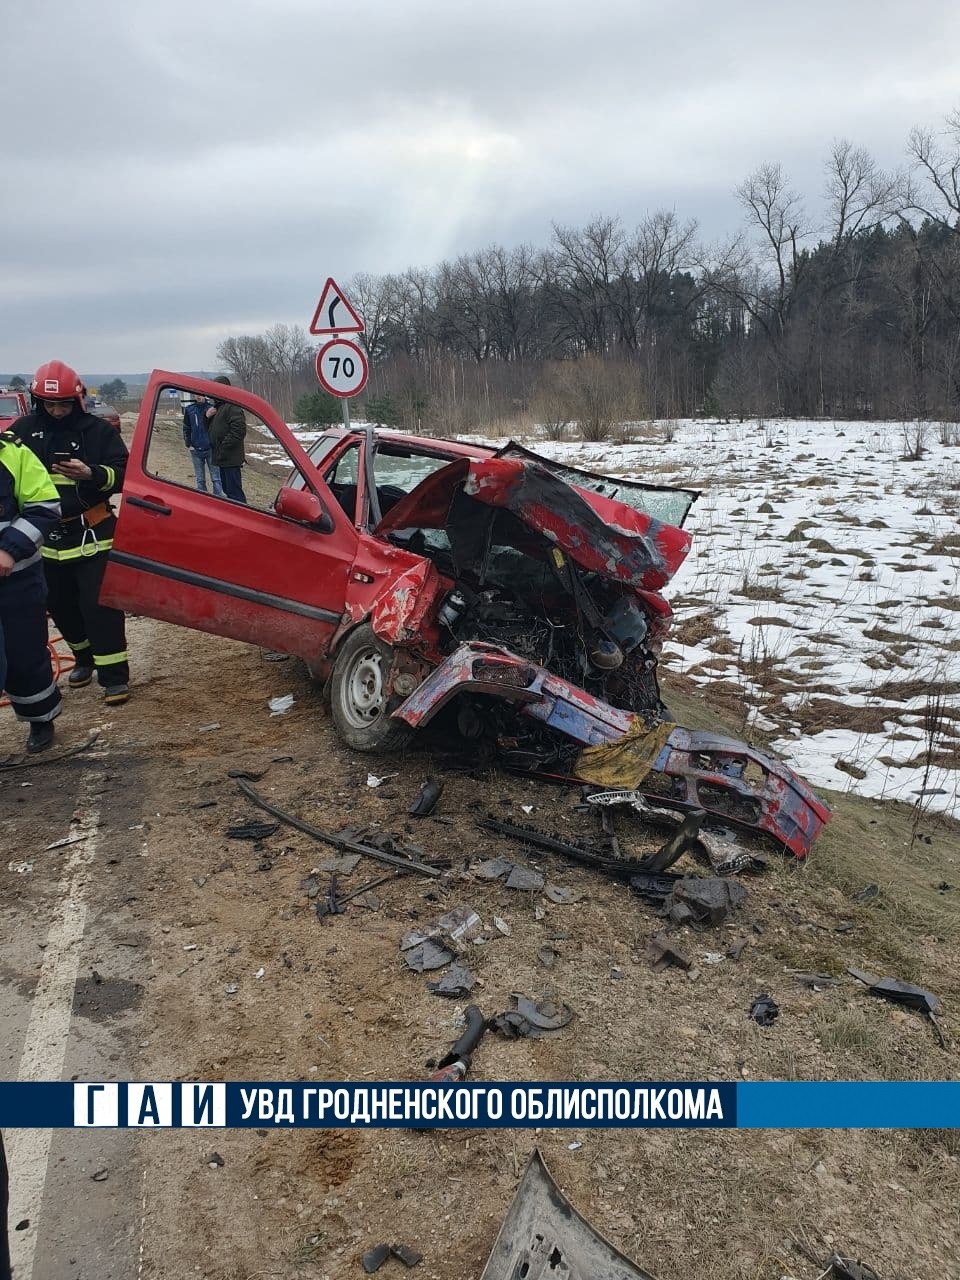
[13,405]
[414,573]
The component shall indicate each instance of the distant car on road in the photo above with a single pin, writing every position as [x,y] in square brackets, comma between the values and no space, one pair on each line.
[107,411]
[13,405]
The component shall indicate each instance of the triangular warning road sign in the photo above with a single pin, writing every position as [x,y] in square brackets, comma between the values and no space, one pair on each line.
[334,314]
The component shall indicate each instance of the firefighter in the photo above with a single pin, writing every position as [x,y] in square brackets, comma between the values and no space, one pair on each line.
[86,458]
[29,510]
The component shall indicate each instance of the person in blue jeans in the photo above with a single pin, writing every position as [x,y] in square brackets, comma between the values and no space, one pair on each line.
[197,440]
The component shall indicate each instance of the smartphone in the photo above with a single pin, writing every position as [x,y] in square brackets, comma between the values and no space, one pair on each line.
[63,457]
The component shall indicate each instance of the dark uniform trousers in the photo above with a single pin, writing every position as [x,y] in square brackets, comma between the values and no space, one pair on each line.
[29,681]
[95,633]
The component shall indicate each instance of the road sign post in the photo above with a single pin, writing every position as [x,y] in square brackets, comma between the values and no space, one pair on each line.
[342,367]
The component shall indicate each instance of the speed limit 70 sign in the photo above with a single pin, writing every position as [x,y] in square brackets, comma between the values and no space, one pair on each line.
[342,368]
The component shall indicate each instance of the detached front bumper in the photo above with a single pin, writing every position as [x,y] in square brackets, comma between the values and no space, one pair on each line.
[737,783]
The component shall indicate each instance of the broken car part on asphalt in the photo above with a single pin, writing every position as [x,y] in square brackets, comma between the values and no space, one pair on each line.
[427,799]
[543,1235]
[339,842]
[531,1019]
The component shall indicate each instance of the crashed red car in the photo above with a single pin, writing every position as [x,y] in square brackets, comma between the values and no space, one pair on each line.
[517,597]
[13,405]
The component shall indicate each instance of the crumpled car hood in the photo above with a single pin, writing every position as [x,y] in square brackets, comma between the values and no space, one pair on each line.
[602,535]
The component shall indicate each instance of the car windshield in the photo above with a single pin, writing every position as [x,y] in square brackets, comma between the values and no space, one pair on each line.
[662,502]
[9,407]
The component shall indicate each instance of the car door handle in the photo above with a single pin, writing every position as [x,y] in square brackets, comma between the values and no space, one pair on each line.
[149,505]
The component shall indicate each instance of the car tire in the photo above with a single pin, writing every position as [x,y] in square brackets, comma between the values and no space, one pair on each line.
[358,700]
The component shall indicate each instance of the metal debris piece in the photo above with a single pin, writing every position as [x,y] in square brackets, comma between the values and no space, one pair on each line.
[343,865]
[457,981]
[374,1258]
[501,926]
[251,830]
[703,901]
[310,886]
[427,956]
[557,893]
[736,949]
[525,878]
[246,773]
[682,839]
[409,1257]
[530,1019]
[491,868]
[340,842]
[543,1235]
[815,981]
[455,1064]
[764,1010]
[547,956]
[456,924]
[661,953]
[100,1175]
[839,1267]
[867,894]
[427,799]
[904,993]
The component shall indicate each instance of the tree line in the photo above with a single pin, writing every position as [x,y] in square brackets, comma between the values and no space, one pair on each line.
[854,314]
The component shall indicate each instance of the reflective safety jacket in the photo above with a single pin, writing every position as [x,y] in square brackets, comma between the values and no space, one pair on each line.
[29,504]
[87,520]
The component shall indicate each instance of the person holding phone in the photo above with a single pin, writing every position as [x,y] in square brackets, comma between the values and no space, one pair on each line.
[86,459]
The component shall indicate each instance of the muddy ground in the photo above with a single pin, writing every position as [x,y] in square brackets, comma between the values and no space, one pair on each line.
[179,913]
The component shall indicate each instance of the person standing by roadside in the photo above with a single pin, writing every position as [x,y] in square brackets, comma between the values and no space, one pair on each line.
[86,458]
[227,428]
[197,440]
[29,510]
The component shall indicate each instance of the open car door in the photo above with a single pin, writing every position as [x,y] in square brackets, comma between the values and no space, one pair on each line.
[272,571]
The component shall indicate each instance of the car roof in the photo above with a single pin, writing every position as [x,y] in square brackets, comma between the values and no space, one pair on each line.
[439,444]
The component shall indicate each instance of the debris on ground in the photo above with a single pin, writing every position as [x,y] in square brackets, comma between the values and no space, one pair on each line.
[904,993]
[839,1267]
[662,953]
[281,704]
[427,799]
[764,1010]
[542,1234]
[458,924]
[427,956]
[397,856]
[374,1258]
[703,901]
[454,1065]
[815,981]
[457,981]
[525,878]
[531,1019]
[251,830]
[409,1257]
[343,865]
[491,868]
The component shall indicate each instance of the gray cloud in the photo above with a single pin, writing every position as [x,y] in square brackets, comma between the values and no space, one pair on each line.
[193,170]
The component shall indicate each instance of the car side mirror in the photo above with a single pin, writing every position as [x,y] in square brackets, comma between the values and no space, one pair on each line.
[303,506]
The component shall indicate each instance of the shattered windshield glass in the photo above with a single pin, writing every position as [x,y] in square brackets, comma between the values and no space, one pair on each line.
[659,501]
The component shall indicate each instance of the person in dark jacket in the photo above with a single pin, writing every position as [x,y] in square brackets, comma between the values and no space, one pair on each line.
[86,458]
[197,440]
[227,428]
[29,510]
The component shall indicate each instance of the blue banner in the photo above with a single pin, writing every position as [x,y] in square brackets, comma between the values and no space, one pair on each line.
[475,1105]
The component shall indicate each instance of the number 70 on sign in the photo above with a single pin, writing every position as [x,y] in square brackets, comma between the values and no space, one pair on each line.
[342,368]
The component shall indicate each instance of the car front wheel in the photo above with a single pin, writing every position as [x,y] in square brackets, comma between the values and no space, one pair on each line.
[358,694]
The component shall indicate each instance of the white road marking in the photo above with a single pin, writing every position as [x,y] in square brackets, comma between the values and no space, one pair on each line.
[45,1044]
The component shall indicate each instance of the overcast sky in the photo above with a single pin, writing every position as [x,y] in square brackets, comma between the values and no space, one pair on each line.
[175,173]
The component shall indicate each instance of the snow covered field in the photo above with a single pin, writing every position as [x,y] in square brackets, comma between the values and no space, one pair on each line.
[823,587]
[821,596]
